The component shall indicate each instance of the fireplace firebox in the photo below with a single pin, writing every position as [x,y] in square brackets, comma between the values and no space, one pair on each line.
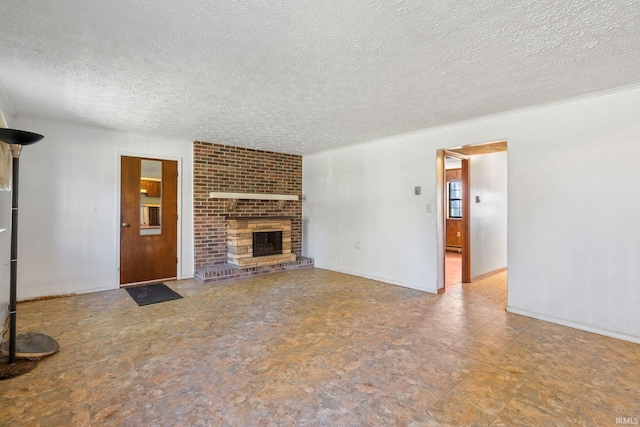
[267,243]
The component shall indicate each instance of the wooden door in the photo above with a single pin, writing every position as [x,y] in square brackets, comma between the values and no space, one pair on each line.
[148,220]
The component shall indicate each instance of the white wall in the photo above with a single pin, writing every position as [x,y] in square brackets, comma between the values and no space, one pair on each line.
[366,194]
[5,250]
[573,248]
[63,246]
[488,219]
[5,236]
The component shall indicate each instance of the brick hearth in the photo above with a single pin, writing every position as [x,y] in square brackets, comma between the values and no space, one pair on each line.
[222,272]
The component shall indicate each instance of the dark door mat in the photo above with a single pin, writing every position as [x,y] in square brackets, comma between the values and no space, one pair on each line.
[152,294]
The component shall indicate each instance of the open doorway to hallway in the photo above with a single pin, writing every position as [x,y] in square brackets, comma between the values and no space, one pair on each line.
[472,213]
[453,192]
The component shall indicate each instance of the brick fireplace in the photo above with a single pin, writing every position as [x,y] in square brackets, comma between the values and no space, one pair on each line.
[220,171]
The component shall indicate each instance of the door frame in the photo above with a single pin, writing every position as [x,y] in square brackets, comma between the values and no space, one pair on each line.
[442,216]
[145,155]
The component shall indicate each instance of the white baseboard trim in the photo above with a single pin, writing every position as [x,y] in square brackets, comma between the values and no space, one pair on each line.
[575,325]
[379,279]
[80,292]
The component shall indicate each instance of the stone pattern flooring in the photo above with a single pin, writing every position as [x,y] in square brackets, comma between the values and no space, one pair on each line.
[318,348]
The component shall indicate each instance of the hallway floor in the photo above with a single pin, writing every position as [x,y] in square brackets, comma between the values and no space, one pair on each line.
[314,347]
[452,268]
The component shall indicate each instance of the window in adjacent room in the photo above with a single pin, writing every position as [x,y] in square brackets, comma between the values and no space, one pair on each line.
[455,199]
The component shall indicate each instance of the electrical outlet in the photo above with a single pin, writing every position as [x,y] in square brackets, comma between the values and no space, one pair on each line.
[358,245]
[428,208]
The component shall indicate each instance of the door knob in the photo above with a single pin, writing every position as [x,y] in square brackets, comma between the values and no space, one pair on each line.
[125,224]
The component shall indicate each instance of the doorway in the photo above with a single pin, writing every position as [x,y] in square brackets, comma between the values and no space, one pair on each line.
[456,169]
[472,227]
[148,220]
[457,254]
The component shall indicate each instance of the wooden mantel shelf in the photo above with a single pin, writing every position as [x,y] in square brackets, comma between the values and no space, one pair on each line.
[252,196]
[234,197]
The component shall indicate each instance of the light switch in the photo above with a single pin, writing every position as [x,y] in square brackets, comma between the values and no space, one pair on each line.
[417,191]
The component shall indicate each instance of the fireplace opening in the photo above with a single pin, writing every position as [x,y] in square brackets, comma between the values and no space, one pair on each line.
[267,243]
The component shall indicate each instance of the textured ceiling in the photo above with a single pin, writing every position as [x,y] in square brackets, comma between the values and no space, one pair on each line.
[305,76]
